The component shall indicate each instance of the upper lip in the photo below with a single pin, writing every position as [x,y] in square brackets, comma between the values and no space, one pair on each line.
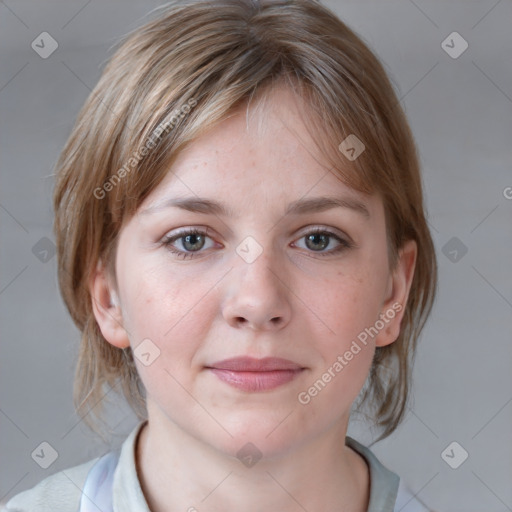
[250,364]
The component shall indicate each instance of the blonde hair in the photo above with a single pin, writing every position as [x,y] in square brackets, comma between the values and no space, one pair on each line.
[178,76]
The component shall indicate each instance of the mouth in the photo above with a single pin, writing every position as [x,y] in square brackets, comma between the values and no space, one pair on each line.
[249,374]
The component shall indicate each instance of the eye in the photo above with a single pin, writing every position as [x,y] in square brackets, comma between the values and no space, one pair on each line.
[192,241]
[318,239]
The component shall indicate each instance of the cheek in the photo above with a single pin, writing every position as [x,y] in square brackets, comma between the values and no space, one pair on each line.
[349,307]
[172,309]
[346,351]
[174,329]
[348,304]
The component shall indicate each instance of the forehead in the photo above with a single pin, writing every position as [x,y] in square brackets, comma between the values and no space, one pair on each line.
[260,156]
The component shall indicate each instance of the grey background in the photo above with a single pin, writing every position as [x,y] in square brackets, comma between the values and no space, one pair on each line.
[460,111]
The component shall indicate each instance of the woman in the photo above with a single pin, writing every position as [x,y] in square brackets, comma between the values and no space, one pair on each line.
[242,242]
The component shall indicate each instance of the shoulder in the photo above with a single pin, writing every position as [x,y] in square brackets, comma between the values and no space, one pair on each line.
[59,492]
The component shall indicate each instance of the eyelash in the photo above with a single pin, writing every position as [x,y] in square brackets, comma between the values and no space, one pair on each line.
[169,240]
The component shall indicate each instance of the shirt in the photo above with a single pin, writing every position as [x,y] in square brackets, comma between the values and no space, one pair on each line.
[62,491]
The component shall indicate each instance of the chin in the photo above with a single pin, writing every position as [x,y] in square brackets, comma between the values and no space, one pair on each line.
[256,436]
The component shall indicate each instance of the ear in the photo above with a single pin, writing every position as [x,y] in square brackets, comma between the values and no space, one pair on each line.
[107,309]
[397,293]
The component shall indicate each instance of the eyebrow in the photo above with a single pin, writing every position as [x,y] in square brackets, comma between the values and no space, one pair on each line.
[299,207]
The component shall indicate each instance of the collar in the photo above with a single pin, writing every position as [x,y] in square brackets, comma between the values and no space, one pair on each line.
[383,482]
[127,492]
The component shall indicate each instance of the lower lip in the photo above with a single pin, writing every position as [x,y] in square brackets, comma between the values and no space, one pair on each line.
[256,381]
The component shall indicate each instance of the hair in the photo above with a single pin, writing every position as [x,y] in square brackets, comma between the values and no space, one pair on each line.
[176,77]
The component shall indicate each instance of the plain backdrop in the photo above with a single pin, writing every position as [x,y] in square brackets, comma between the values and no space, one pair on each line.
[460,110]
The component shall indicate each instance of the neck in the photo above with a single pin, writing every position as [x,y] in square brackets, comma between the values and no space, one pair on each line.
[180,472]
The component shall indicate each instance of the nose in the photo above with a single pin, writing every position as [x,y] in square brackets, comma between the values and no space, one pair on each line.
[257,297]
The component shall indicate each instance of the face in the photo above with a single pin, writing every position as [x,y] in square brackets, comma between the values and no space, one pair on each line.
[255,280]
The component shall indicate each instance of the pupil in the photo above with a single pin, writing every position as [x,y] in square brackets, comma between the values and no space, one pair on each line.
[193,237]
[315,237]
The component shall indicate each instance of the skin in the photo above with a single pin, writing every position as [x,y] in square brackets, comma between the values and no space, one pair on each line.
[216,305]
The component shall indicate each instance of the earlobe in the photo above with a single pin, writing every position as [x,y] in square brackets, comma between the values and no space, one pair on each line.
[106,309]
[393,308]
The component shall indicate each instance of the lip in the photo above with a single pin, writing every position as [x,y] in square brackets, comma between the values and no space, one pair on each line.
[251,364]
[250,374]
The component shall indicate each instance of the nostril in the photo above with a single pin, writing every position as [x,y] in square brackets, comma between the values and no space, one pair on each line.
[276,321]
